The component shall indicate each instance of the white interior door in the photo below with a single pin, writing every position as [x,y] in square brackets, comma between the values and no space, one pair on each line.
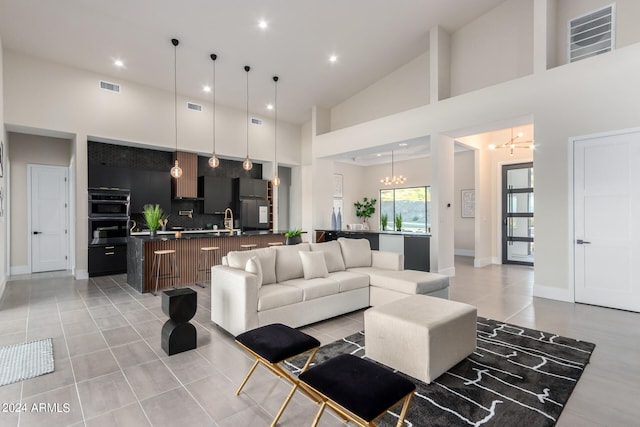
[49,218]
[607,221]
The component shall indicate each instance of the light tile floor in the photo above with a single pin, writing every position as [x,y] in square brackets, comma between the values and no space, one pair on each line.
[110,369]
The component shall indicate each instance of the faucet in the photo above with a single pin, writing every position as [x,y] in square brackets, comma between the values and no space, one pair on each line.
[228,219]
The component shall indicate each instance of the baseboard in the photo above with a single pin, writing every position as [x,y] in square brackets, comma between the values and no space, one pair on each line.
[464,252]
[18,270]
[549,292]
[451,272]
[482,262]
[81,274]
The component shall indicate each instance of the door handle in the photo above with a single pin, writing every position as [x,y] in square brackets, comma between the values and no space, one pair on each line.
[37,232]
[582,242]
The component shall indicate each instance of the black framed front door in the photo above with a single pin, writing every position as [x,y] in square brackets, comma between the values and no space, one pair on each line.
[517,214]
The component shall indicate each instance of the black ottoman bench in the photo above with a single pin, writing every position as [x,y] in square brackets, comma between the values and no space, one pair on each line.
[357,389]
[272,345]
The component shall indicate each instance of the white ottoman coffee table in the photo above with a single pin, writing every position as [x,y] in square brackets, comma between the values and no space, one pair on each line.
[420,336]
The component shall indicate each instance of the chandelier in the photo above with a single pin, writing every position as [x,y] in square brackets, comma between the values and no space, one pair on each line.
[393,180]
[512,144]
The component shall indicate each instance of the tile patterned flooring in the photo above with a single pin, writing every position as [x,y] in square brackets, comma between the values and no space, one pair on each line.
[110,369]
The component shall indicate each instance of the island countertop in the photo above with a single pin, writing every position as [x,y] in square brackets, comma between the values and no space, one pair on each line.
[140,249]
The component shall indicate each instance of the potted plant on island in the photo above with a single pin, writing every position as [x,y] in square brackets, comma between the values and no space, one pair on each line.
[293,236]
[153,214]
[384,221]
[398,221]
[365,210]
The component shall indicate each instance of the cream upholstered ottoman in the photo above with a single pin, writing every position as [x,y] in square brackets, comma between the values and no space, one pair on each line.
[419,335]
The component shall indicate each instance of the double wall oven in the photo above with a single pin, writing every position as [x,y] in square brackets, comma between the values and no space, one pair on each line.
[108,230]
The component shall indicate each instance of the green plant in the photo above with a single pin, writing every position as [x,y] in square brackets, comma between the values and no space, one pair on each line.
[152,215]
[296,232]
[365,209]
[398,221]
[384,221]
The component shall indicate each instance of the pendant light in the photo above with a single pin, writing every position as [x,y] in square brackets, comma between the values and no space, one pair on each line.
[394,180]
[176,171]
[214,162]
[276,179]
[247,165]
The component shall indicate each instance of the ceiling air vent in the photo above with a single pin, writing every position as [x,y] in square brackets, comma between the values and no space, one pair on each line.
[194,107]
[255,121]
[109,86]
[592,34]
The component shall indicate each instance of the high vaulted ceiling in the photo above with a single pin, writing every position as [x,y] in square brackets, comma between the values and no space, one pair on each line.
[370,38]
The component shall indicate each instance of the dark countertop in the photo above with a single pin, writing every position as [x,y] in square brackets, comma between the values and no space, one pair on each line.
[209,235]
[389,232]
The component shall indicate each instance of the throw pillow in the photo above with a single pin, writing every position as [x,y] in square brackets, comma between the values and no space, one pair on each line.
[332,255]
[313,265]
[253,266]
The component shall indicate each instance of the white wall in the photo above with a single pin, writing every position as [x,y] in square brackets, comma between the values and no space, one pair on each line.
[46,97]
[4,224]
[494,48]
[405,88]
[29,149]
[627,28]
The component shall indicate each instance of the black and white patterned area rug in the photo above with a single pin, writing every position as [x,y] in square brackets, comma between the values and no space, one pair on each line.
[516,376]
[23,361]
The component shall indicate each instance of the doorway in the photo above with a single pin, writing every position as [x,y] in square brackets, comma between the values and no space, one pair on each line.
[606,210]
[48,218]
[517,214]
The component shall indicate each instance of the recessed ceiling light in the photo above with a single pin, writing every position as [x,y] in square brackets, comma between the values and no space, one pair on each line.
[333,58]
[269,106]
[379,155]
[403,144]
[263,24]
[207,89]
[118,63]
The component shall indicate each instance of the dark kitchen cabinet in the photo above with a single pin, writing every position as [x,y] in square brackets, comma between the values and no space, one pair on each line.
[252,188]
[150,188]
[105,260]
[217,193]
[417,253]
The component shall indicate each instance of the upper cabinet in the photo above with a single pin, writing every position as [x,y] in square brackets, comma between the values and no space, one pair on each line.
[252,188]
[187,185]
[217,193]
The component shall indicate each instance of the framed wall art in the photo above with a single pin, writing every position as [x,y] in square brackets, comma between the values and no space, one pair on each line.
[337,185]
[468,205]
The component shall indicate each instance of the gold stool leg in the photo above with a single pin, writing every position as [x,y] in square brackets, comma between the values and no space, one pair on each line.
[156,266]
[405,409]
[253,368]
[318,415]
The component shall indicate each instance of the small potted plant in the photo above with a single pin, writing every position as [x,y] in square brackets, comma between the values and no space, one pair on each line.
[365,209]
[384,221]
[398,222]
[293,236]
[153,214]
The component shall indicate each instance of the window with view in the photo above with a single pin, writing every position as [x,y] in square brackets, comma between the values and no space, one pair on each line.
[412,205]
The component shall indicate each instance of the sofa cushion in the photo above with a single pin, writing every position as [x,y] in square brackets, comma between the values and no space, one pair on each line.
[332,255]
[408,281]
[288,263]
[313,265]
[254,266]
[314,288]
[356,252]
[275,295]
[238,259]
[349,281]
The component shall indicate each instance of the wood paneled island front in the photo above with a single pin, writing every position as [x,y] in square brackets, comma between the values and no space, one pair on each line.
[140,254]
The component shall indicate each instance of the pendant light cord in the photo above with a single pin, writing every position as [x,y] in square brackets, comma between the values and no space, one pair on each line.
[275,127]
[175,88]
[214,57]
[246,68]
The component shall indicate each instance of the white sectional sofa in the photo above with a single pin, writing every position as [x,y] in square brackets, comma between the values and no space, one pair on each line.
[302,284]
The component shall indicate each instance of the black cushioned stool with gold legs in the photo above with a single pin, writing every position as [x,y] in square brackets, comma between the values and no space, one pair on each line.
[272,345]
[357,389]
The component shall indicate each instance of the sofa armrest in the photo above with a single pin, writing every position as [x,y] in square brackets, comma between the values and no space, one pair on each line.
[387,260]
[234,299]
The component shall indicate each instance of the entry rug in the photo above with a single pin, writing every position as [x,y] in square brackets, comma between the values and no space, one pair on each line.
[516,376]
[23,361]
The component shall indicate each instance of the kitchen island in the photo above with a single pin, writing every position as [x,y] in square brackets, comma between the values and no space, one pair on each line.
[140,248]
[413,245]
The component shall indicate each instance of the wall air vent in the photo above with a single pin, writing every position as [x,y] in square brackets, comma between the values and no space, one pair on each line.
[255,121]
[591,34]
[194,107]
[109,86]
